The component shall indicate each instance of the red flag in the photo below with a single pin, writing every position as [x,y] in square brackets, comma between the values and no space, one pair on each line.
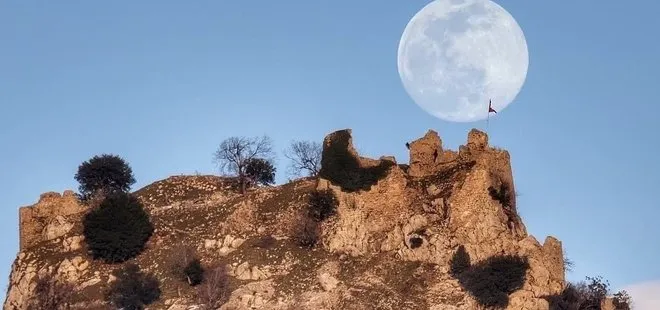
[490,108]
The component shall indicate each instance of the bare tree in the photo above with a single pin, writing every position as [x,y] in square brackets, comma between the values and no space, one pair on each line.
[589,294]
[304,156]
[234,154]
[569,264]
[181,260]
[214,290]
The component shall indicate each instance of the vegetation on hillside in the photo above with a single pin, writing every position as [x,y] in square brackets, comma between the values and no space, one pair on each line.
[117,228]
[103,175]
[184,265]
[305,158]
[214,290]
[251,159]
[260,171]
[321,205]
[491,281]
[589,294]
[235,153]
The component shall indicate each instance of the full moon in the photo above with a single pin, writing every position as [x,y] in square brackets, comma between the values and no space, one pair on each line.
[456,55]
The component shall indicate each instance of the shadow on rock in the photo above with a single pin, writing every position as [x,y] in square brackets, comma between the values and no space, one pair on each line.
[490,281]
[504,195]
[342,168]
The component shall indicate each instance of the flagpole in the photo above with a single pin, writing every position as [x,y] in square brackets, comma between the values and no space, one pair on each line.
[488,117]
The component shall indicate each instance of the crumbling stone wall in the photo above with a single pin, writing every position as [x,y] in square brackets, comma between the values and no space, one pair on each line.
[385,217]
[47,219]
[425,154]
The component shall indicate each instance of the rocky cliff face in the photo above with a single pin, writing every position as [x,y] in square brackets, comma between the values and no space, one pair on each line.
[441,232]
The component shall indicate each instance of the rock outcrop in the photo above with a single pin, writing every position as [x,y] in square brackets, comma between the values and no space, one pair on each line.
[426,235]
[425,155]
[48,218]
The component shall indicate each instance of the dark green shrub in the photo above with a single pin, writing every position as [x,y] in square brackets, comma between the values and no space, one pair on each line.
[184,265]
[570,298]
[105,174]
[118,229]
[133,289]
[597,289]
[622,301]
[322,205]
[234,153]
[260,171]
[194,272]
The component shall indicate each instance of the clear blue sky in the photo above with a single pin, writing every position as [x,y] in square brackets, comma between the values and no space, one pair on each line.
[161,83]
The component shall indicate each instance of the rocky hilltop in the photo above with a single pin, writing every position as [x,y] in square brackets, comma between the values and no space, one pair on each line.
[441,232]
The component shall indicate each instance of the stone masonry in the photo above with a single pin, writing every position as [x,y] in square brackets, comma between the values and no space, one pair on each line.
[47,219]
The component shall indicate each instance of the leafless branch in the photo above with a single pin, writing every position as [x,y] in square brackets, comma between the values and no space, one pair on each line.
[304,156]
[180,256]
[234,153]
[214,290]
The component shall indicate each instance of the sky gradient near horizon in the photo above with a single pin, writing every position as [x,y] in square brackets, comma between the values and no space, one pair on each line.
[162,83]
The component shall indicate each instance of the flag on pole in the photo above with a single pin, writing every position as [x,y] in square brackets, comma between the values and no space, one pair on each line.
[490,108]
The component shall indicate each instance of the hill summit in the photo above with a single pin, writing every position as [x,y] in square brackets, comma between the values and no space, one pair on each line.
[440,232]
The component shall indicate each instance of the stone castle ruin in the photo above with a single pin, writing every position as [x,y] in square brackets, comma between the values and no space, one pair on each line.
[428,233]
[50,218]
